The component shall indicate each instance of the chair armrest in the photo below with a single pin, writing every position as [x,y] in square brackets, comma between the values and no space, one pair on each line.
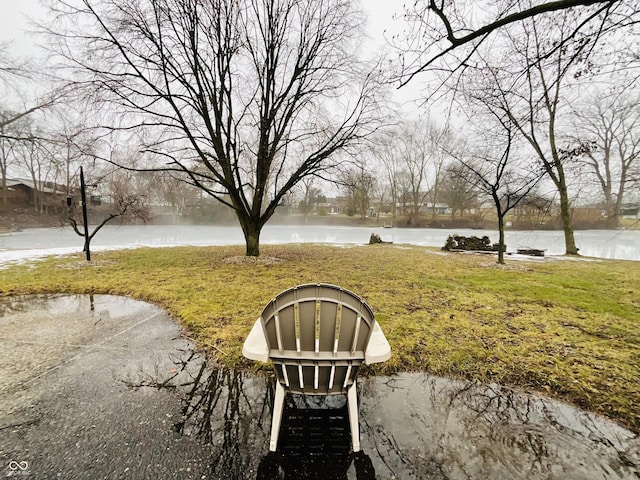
[378,349]
[255,346]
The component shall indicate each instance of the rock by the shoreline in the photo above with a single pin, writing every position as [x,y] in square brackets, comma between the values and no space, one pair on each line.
[375,238]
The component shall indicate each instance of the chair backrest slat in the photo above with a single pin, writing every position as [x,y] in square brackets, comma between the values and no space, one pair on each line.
[356,335]
[332,376]
[347,377]
[336,336]
[296,313]
[316,375]
[301,376]
[316,330]
[276,319]
[284,375]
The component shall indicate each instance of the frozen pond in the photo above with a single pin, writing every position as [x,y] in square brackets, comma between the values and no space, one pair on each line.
[35,243]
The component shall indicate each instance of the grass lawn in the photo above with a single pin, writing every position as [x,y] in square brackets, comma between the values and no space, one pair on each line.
[567,328]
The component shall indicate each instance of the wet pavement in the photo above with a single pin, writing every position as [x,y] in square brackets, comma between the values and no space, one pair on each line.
[106,387]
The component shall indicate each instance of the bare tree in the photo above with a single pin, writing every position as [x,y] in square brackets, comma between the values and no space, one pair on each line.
[17,108]
[71,144]
[457,192]
[422,159]
[244,98]
[34,157]
[540,106]
[612,124]
[446,35]
[310,195]
[19,145]
[14,74]
[414,155]
[439,140]
[380,191]
[123,203]
[490,166]
[533,210]
[8,137]
[527,86]
[164,189]
[385,150]
[360,184]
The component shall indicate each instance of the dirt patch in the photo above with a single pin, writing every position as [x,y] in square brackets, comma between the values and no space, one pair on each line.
[508,266]
[84,264]
[244,260]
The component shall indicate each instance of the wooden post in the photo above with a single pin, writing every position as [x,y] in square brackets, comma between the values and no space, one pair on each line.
[84,215]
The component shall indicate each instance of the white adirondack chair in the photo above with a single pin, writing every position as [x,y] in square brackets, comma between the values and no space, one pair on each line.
[317,336]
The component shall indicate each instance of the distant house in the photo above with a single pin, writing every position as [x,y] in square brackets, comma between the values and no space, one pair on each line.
[22,193]
[324,206]
[630,210]
[588,213]
[332,206]
[440,208]
[427,208]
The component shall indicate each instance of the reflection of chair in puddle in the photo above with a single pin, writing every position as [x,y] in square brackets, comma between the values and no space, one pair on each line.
[278,467]
[317,336]
[315,444]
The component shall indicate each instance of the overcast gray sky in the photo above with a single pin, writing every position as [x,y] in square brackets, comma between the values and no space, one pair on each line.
[13,21]
[14,26]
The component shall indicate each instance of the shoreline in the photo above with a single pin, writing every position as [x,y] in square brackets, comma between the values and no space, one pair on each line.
[21,219]
[49,222]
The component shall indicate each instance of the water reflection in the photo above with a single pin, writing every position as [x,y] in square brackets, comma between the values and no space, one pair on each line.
[428,427]
[275,466]
[107,306]
[231,410]
[413,426]
[315,443]
[223,407]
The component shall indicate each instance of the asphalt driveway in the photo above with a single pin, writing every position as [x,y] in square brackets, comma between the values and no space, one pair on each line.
[67,409]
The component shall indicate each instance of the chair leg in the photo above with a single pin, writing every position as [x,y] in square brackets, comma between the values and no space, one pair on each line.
[276,418]
[354,423]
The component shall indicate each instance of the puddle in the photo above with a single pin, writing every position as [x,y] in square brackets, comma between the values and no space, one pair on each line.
[413,426]
[99,306]
[105,387]
[439,428]
[40,332]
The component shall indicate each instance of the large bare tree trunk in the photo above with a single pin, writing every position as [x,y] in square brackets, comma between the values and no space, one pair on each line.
[567,223]
[251,237]
[557,174]
[501,238]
